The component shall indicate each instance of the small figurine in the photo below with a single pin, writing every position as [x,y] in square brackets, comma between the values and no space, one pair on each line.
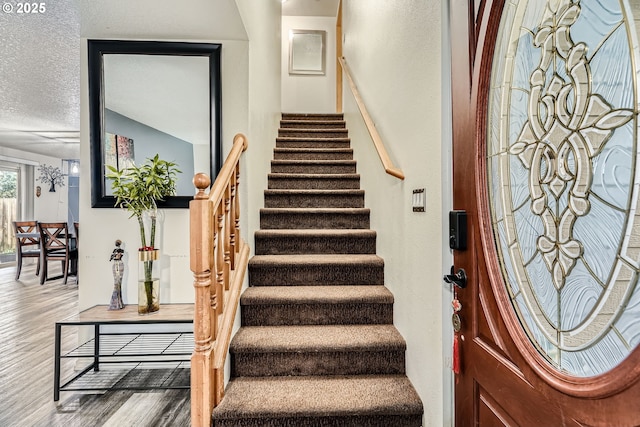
[118,271]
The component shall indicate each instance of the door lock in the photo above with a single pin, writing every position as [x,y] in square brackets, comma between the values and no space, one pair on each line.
[458,230]
[458,279]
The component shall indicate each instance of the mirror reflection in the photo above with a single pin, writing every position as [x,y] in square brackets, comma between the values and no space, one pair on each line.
[155,104]
[151,98]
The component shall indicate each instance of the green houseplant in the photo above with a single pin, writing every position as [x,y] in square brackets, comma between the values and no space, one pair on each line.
[137,189]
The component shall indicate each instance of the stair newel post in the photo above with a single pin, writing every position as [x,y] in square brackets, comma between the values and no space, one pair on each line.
[201,359]
[227,235]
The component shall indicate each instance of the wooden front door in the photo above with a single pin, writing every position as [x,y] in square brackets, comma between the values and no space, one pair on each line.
[545,97]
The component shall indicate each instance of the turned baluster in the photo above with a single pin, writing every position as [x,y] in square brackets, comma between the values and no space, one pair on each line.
[236,178]
[227,236]
[233,221]
[215,295]
[220,280]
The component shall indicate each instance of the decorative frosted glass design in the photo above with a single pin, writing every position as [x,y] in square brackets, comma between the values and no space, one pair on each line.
[562,155]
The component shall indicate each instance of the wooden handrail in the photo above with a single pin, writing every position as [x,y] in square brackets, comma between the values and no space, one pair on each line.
[388,165]
[218,259]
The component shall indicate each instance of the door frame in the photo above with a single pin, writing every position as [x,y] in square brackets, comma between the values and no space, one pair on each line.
[448,378]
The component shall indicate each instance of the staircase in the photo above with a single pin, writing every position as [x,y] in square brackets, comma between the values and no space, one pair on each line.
[317,346]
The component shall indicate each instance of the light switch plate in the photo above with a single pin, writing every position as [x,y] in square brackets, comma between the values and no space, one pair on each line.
[419,201]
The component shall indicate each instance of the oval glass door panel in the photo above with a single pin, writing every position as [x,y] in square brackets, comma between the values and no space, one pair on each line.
[562,164]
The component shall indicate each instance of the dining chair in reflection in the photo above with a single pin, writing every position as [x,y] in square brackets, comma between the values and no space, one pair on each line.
[74,263]
[57,245]
[27,243]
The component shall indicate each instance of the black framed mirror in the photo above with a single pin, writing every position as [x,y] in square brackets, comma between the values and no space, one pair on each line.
[152,97]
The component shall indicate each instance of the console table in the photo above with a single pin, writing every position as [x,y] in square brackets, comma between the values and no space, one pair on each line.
[157,344]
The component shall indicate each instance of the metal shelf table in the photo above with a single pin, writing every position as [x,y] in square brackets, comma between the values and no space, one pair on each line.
[128,348]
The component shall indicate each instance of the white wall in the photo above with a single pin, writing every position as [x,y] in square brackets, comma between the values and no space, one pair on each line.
[309,93]
[50,206]
[262,22]
[394,52]
[101,227]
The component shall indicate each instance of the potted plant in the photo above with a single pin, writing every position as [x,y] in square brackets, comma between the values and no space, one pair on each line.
[138,189]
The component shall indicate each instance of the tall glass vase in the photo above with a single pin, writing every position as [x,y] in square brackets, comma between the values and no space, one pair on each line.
[148,268]
[148,281]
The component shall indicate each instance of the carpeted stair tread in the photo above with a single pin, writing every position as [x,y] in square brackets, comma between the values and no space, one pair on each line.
[308,350]
[316,269]
[317,233]
[356,211]
[309,123]
[317,259]
[260,295]
[317,338]
[313,142]
[314,191]
[312,153]
[313,166]
[307,163]
[303,198]
[287,401]
[317,140]
[316,305]
[273,218]
[312,133]
[299,241]
[313,181]
[312,116]
[314,175]
[312,150]
[320,132]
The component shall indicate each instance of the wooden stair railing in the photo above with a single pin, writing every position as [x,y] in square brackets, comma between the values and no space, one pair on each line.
[218,260]
[388,165]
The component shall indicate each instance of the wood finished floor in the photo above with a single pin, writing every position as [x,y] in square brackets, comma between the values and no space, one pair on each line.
[28,312]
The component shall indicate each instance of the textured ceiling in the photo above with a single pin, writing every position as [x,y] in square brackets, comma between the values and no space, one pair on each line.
[310,7]
[40,59]
[40,79]
[40,56]
[161,19]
